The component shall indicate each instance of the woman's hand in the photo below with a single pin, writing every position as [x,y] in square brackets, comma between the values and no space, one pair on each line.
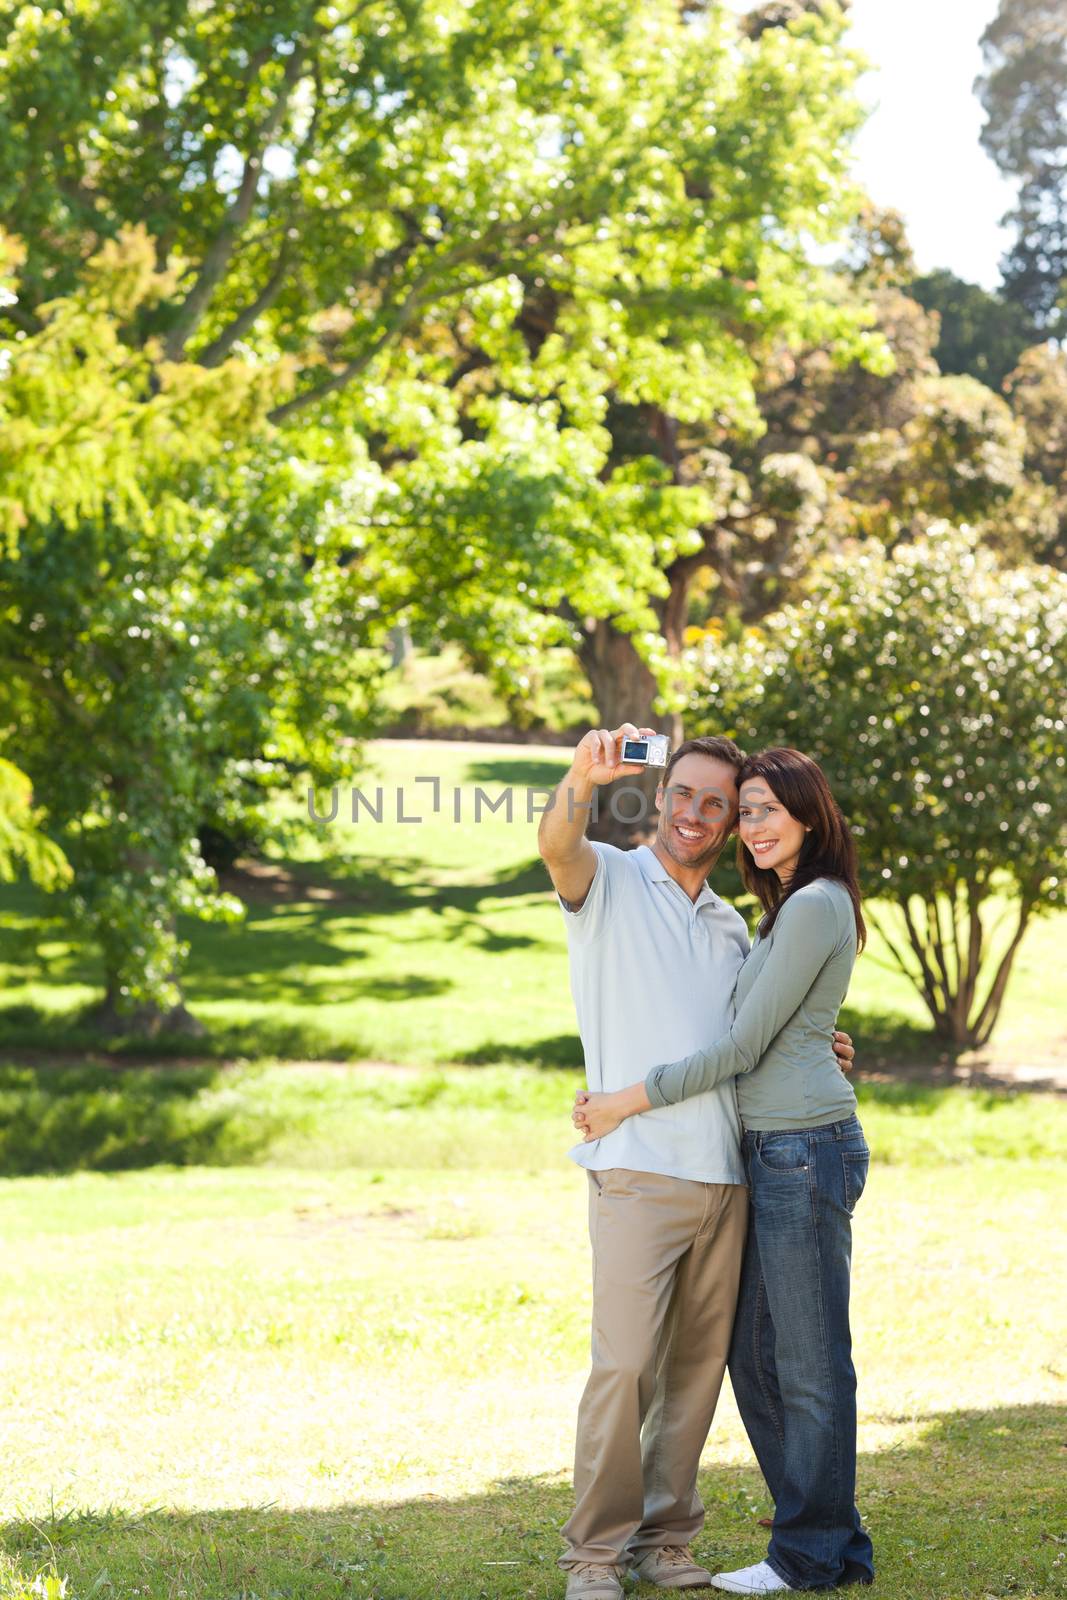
[844,1050]
[598,1114]
[595,1115]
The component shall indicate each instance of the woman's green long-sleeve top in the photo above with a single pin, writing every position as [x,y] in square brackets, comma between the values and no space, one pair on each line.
[786,999]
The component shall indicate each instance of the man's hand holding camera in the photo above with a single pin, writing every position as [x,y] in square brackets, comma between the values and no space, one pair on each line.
[597,760]
[598,757]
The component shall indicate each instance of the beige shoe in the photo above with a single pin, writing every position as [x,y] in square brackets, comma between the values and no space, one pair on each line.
[672,1567]
[591,1581]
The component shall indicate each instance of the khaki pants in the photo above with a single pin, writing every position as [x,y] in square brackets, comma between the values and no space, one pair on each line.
[666,1265]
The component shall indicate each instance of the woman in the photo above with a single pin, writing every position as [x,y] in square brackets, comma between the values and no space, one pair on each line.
[806,1161]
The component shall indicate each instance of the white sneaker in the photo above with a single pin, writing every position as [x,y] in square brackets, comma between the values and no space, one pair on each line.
[760,1579]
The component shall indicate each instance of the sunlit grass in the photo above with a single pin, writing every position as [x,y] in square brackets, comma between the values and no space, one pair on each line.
[333,1348]
[431,942]
[355,1373]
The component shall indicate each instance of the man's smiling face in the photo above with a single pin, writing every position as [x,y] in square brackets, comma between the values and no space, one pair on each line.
[698,810]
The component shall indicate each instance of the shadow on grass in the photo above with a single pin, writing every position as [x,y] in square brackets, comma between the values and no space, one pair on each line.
[109,1115]
[970,1510]
[284,947]
[558,1050]
[49,1038]
[528,772]
[300,947]
[884,1038]
[893,1050]
[288,951]
[109,1119]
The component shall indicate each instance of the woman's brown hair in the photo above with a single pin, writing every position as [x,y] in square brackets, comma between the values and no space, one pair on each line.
[828,851]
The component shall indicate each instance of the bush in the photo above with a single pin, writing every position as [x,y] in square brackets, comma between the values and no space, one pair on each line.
[931,685]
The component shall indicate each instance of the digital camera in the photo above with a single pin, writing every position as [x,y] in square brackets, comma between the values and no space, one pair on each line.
[651,752]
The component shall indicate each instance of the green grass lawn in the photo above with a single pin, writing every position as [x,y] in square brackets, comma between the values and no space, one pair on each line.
[351,1370]
[275,1329]
[428,942]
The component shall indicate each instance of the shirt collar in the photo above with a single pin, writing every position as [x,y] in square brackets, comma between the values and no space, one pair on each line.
[656,872]
[650,864]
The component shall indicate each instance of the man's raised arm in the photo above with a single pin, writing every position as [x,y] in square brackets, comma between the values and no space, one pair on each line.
[566,852]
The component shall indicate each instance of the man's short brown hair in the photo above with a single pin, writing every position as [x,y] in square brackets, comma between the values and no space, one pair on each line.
[718,748]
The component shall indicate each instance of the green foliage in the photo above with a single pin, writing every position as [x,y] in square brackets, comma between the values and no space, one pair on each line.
[931,685]
[450,206]
[328,184]
[92,427]
[1024,92]
[979,333]
[22,841]
[901,451]
[850,450]
[568,523]
[893,453]
[958,456]
[1037,389]
[175,624]
[430,247]
[438,694]
[47,1584]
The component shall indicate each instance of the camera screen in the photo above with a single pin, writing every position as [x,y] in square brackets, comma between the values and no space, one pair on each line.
[635,749]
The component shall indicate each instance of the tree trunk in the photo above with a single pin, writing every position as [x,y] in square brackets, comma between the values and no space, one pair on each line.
[675,618]
[623,688]
[986,1019]
[151,1021]
[400,645]
[146,1018]
[624,691]
[949,968]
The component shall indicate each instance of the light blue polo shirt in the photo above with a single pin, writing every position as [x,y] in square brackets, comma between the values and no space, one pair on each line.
[652,974]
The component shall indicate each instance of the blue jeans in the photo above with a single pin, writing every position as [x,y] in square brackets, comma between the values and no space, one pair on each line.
[791,1351]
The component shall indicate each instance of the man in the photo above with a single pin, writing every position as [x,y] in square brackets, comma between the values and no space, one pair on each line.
[653,953]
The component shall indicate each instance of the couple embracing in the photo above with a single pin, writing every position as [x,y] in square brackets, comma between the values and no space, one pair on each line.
[724,1159]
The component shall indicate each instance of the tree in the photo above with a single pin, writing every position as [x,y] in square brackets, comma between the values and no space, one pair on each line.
[1037,391]
[980,335]
[1024,92]
[844,449]
[430,243]
[23,842]
[495,216]
[931,684]
[959,455]
[327,180]
[900,451]
[621,595]
[175,626]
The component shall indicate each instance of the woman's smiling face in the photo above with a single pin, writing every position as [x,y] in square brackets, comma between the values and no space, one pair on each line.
[772,837]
